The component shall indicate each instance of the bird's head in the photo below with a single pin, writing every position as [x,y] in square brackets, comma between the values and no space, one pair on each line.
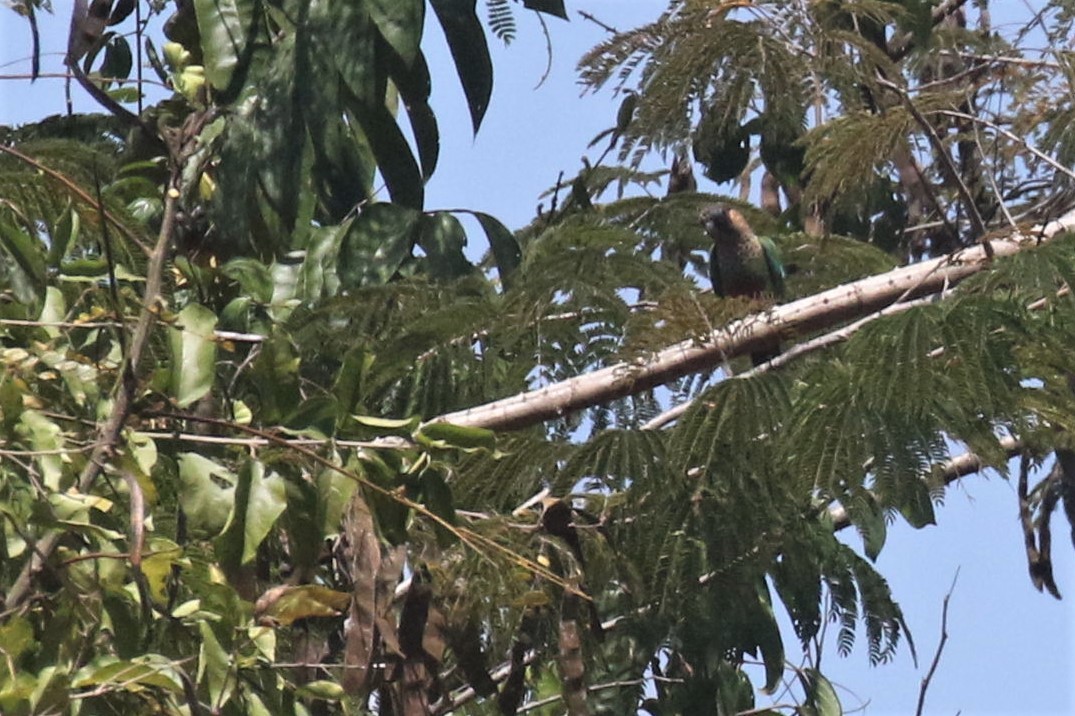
[724,223]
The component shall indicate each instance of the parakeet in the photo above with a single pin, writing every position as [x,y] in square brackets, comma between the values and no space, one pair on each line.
[740,263]
[681,176]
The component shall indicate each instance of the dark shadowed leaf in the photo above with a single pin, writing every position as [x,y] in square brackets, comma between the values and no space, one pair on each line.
[118,60]
[394,158]
[414,86]
[504,245]
[437,497]
[193,350]
[466,39]
[551,7]
[376,244]
[315,417]
[25,250]
[766,633]
[389,515]
[918,505]
[442,238]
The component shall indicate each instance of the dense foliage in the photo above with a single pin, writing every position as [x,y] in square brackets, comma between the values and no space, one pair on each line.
[273,442]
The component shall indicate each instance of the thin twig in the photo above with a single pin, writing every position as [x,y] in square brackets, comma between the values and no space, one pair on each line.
[940,648]
[606,27]
[1014,137]
[977,224]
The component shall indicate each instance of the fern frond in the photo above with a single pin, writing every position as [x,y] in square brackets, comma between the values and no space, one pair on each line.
[501,20]
[847,151]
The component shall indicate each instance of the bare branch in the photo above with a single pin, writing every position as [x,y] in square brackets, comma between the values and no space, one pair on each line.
[940,648]
[977,224]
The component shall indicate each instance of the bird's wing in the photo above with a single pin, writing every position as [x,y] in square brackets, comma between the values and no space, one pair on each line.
[714,273]
[774,265]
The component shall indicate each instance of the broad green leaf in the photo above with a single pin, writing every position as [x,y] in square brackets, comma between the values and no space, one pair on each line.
[93,267]
[322,689]
[436,495]
[442,238]
[766,633]
[334,491]
[289,604]
[193,350]
[118,59]
[53,310]
[821,699]
[466,40]
[157,566]
[505,247]
[25,250]
[400,23]
[253,276]
[16,636]
[45,436]
[398,426]
[370,426]
[869,519]
[10,402]
[342,160]
[414,87]
[390,517]
[352,376]
[318,274]
[259,502]
[214,666]
[376,244]
[276,378]
[254,705]
[342,36]
[224,26]
[305,536]
[395,161]
[447,435]
[735,694]
[315,417]
[264,640]
[207,494]
[63,235]
[131,676]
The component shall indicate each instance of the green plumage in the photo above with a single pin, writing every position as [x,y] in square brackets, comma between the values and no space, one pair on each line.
[740,263]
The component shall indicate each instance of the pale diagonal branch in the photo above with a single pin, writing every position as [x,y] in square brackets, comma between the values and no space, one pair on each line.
[821,311]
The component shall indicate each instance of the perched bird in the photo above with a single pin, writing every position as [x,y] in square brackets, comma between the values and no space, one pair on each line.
[681,176]
[741,264]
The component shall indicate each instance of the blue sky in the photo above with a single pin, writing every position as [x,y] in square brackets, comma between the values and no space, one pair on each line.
[1010,649]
